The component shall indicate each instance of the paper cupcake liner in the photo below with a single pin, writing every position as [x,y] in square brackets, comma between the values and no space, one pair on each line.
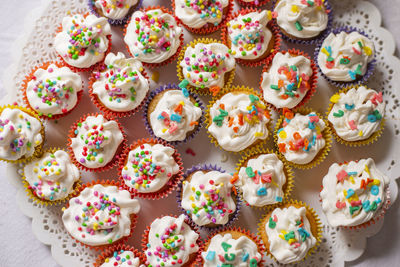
[38,148]
[115,22]
[318,38]
[240,231]
[289,174]
[181,38]
[311,216]
[173,87]
[313,78]
[123,239]
[208,121]
[109,252]
[228,76]
[45,202]
[358,143]
[265,59]
[30,76]
[171,184]
[91,68]
[108,112]
[207,28]
[192,262]
[254,4]
[233,216]
[370,67]
[321,155]
[108,166]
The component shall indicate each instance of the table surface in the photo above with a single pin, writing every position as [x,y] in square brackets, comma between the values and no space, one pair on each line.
[20,246]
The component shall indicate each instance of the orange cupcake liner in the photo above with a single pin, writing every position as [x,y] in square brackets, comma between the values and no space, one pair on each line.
[266,60]
[109,252]
[168,187]
[313,78]
[209,29]
[113,162]
[252,4]
[170,59]
[108,112]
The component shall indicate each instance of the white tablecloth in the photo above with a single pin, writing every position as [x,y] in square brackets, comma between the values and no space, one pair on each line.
[19,247]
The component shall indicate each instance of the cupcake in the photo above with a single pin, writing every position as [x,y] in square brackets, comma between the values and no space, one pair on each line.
[119,87]
[302,138]
[95,143]
[253,2]
[206,66]
[52,90]
[116,11]
[354,193]
[207,196]
[120,256]
[232,247]
[151,168]
[346,57]
[289,80]
[301,20]
[153,36]
[101,215]
[21,134]
[252,37]
[171,241]
[173,115]
[51,178]
[202,16]
[83,41]
[238,120]
[290,232]
[356,115]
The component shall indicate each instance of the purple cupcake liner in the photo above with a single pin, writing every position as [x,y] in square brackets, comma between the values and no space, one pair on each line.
[315,40]
[209,167]
[115,22]
[370,67]
[162,88]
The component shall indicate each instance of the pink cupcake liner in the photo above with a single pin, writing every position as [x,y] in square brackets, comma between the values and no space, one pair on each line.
[115,22]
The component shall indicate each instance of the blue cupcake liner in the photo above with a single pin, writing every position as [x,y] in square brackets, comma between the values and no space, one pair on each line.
[115,22]
[175,87]
[207,167]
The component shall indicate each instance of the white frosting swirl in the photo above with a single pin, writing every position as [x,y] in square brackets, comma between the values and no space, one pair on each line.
[174,116]
[52,176]
[153,37]
[289,234]
[53,90]
[114,9]
[121,86]
[19,134]
[83,41]
[301,139]
[198,13]
[100,215]
[96,141]
[149,167]
[238,252]
[287,81]
[122,259]
[171,241]
[208,197]
[353,193]
[345,56]
[300,18]
[205,65]
[357,114]
[238,120]
[262,179]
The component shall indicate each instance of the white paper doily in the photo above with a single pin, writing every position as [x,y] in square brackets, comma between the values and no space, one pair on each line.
[337,247]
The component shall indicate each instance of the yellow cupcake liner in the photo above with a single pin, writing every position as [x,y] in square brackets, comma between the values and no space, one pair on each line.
[260,142]
[321,155]
[311,216]
[229,76]
[358,143]
[45,202]
[289,174]
[38,148]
